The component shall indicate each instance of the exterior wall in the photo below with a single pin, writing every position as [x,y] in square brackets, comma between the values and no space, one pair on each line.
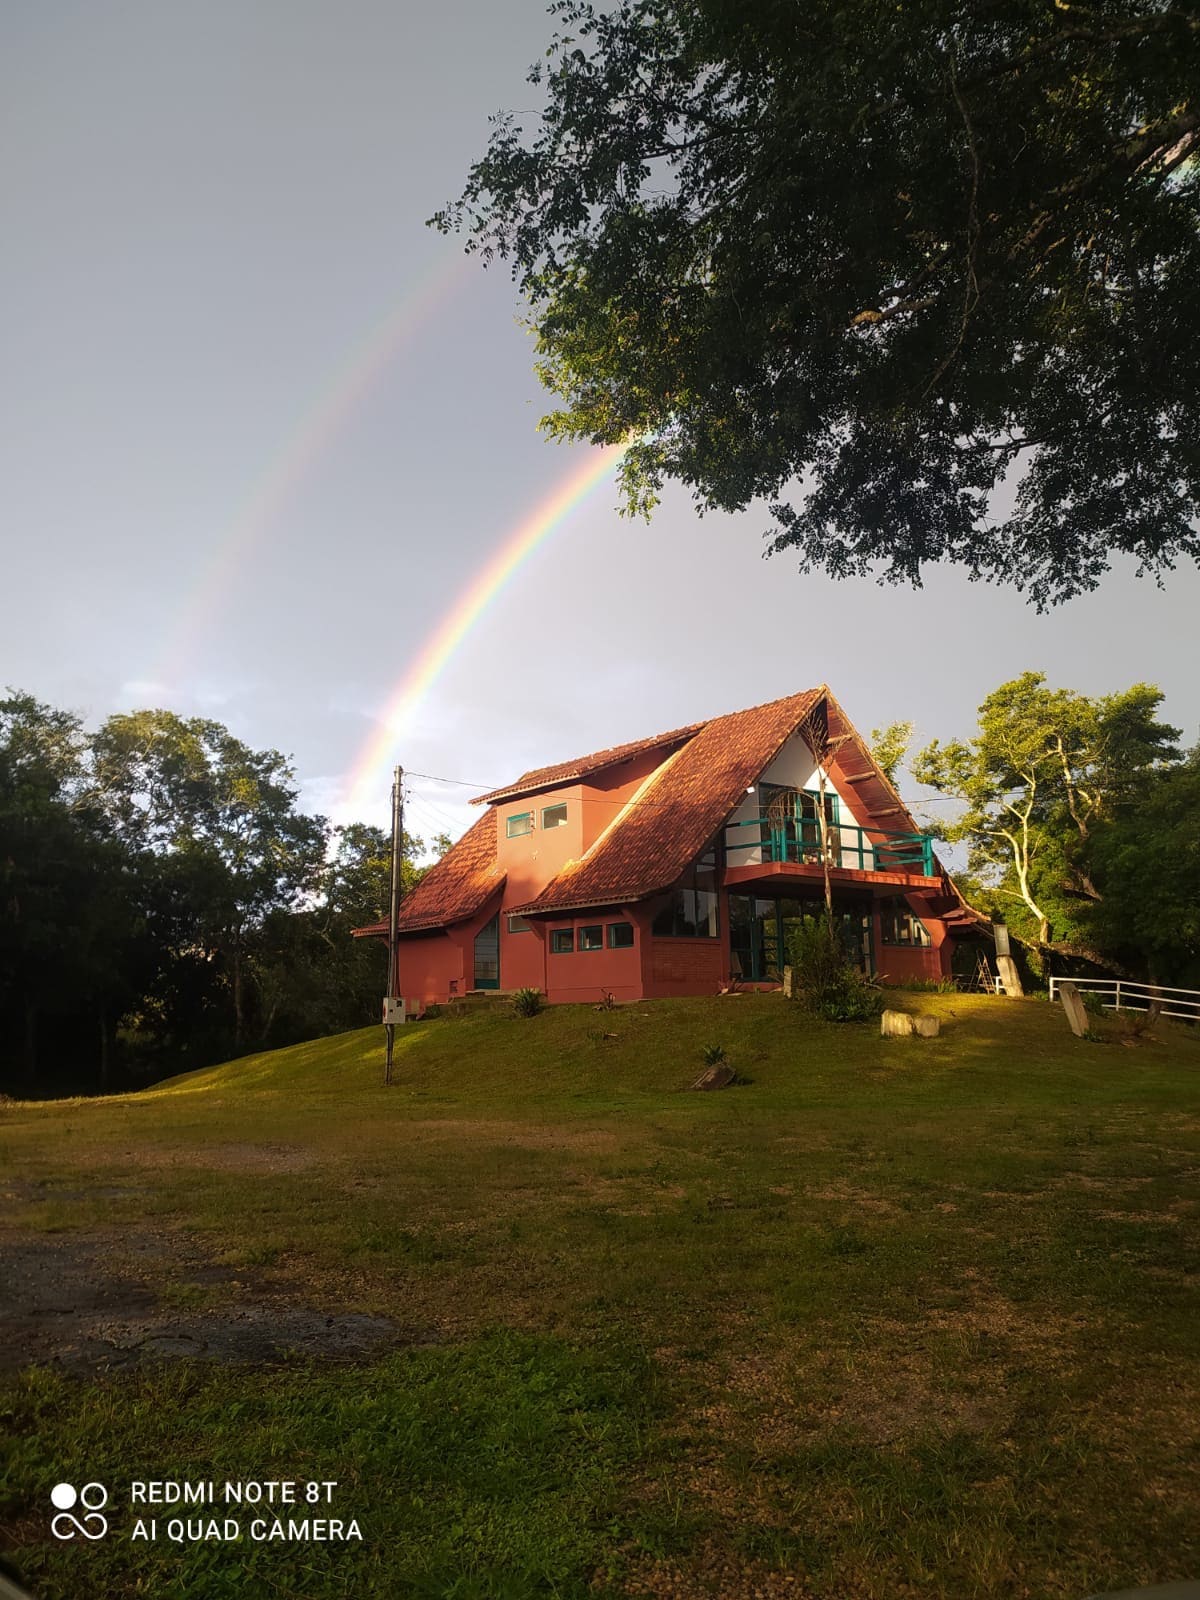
[684,966]
[589,974]
[427,965]
[435,967]
[904,962]
[793,768]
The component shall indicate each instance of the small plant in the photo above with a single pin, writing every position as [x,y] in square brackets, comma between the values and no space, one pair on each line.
[825,982]
[608,1001]
[713,1055]
[527,1002]
[1093,1003]
[431,1012]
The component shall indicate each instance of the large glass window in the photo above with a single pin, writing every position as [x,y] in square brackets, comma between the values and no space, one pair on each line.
[689,911]
[591,938]
[553,817]
[518,924]
[620,936]
[562,941]
[899,925]
[520,822]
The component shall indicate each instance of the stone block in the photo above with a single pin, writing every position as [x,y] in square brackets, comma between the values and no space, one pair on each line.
[896,1025]
[927,1027]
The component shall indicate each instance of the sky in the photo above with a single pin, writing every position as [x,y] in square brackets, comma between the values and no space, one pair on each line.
[262,430]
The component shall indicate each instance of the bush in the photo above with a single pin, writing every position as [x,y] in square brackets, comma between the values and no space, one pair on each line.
[825,982]
[527,1002]
[713,1055]
[431,1012]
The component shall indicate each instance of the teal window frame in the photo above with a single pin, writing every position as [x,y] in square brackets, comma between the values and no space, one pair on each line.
[592,930]
[518,816]
[559,822]
[519,924]
[562,941]
[620,944]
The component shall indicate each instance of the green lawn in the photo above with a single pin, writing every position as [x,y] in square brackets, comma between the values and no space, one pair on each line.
[893,1318]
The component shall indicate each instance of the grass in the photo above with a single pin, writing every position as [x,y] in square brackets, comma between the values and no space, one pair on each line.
[893,1317]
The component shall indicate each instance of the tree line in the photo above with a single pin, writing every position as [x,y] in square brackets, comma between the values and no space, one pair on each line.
[164,902]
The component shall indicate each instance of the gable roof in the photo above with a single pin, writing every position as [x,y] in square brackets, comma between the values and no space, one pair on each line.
[584,766]
[670,821]
[705,770]
[455,887]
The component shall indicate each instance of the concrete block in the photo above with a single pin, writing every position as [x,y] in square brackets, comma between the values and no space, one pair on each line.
[927,1027]
[1072,1004]
[896,1025]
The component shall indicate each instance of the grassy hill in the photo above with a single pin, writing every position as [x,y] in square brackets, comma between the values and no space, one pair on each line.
[891,1318]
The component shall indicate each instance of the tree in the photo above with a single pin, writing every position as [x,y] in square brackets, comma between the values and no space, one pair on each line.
[222,818]
[889,746]
[72,929]
[870,262]
[1045,769]
[1148,860]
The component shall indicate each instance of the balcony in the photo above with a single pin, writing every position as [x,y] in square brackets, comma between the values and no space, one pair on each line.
[766,841]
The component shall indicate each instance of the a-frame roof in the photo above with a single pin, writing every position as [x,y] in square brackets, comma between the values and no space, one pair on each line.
[585,766]
[674,816]
[705,769]
[455,887]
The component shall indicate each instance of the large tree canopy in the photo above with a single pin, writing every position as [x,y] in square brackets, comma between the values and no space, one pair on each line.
[872,263]
[1049,774]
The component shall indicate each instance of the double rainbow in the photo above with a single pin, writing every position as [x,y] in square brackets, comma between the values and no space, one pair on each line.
[367,779]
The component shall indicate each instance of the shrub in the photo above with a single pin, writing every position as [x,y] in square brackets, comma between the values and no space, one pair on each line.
[713,1055]
[527,1002]
[825,982]
[431,1012]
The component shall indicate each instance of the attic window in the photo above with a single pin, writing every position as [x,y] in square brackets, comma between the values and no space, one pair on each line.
[520,822]
[554,817]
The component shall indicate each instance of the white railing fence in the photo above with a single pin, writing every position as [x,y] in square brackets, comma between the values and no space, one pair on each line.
[1122,994]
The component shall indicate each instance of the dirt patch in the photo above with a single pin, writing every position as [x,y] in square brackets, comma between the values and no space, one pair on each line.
[83,1303]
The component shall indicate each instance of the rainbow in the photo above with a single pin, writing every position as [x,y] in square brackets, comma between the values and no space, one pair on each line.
[339,396]
[367,780]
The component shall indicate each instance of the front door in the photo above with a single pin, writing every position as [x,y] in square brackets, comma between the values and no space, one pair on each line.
[487,955]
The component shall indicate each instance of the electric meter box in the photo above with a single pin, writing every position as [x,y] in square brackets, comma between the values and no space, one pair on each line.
[393,1011]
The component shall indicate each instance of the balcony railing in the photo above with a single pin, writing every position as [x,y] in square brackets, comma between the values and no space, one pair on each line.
[861,849]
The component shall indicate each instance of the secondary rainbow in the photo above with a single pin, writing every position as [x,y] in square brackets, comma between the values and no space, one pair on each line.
[339,397]
[368,777]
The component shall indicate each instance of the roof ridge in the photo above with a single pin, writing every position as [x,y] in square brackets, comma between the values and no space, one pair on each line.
[533,778]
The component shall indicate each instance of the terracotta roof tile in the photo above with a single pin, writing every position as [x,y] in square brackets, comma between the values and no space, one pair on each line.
[679,811]
[582,766]
[455,887]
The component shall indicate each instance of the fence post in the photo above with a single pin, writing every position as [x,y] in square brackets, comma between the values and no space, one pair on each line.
[1118,1005]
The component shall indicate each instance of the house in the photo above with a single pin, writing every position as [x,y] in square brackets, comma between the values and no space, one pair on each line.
[671,865]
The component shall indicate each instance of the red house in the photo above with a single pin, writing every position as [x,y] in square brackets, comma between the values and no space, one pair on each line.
[676,863]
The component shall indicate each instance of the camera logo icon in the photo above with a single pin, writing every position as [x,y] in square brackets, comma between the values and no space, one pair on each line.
[92,1498]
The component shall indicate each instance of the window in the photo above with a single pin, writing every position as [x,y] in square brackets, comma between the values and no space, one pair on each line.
[898,925]
[518,924]
[689,911]
[520,822]
[562,941]
[553,816]
[591,938]
[620,936]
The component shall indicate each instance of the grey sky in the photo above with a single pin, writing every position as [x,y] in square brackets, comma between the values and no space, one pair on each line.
[208,208]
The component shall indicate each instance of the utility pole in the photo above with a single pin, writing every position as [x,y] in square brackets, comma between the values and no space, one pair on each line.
[394,919]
